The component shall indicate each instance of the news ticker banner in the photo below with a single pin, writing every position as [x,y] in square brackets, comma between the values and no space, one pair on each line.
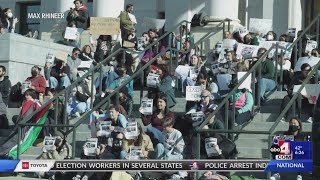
[154,165]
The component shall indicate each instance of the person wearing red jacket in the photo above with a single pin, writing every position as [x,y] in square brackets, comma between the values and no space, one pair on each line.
[37,81]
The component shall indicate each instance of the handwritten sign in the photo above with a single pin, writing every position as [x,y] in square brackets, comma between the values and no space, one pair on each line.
[71,33]
[193,93]
[260,25]
[61,55]
[152,23]
[104,26]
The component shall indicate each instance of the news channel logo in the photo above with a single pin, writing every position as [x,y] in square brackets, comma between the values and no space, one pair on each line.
[194,165]
[281,148]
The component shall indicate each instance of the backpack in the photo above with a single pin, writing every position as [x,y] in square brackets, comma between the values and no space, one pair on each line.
[15,93]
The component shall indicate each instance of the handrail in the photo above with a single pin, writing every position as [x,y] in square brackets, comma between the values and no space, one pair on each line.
[292,100]
[91,71]
[86,114]
[225,100]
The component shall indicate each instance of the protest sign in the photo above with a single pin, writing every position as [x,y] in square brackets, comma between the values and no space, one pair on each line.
[61,55]
[25,85]
[133,18]
[197,118]
[246,51]
[152,23]
[141,41]
[210,144]
[90,147]
[292,32]
[152,80]
[311,45]
[104,26]
[128,44]
[312,61]
[135,152]
[224,81]
[48,143]
[311,91]
[131,131]
[229,44]
[193,73]
[182,71]
[147,106]
[246,83]
[85,64]
[70,33]
[104,127]
[260,25]
[193,93]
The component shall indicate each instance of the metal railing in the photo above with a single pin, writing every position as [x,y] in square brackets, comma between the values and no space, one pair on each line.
[65,93]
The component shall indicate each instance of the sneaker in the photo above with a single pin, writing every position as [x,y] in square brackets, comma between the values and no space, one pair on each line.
[299,177]
[275,177]
[35,34]
[310,120]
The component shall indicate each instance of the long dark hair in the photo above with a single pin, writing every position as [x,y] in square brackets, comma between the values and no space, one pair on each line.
[165,70]
[163,97]
[300,125]
[139,141]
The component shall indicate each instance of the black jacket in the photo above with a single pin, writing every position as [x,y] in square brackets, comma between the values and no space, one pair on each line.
[5,87]
[82,20]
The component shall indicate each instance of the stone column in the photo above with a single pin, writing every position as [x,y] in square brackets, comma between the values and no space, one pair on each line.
[107,8]
[221,9]
[295,14]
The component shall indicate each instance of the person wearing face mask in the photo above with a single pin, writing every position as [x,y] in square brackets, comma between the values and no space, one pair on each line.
[59,75]
[8,21]
[270,36]
[295,129]
[38,82]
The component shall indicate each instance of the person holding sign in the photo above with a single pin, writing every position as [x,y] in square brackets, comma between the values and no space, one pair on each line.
[173,145]
[79,15]
[38,82]
[160,114]
[297,80]
[164,85]
[143,140]
[103,49]
[126,23]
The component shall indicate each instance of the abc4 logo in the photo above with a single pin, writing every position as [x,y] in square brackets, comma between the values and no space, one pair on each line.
[281,148]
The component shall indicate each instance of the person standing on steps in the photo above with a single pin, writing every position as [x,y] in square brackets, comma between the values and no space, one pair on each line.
[126,24]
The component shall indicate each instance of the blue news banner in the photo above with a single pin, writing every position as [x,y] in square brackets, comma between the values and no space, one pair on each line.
[291,156]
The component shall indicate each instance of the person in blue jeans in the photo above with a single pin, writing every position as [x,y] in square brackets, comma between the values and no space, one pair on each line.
[60,75]
[267,82]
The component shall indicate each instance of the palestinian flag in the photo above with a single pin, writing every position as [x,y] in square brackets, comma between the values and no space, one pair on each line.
[32,133]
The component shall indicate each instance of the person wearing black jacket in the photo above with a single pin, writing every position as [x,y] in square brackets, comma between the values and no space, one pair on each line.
[79,14]
[5,85]
[60,75]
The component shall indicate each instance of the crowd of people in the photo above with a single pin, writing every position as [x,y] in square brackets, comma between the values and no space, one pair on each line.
[166,132]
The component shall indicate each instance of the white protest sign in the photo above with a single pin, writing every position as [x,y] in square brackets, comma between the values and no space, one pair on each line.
[292,32]
[312,61]
[229,44]
[246,51]
[246,83]
[311,45]
[141,41]
[147,106]
[71,33]
[48,143]
[210,144]
[224,81]
[104,127]
[133,18]
[193,72]
[311,91]
[131,131]
[85,64]
[25,85]
[152,23]
[152,80]
[90,147]
[197,118]
[135,152]
[182,71]
[193,93]
[260,25]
